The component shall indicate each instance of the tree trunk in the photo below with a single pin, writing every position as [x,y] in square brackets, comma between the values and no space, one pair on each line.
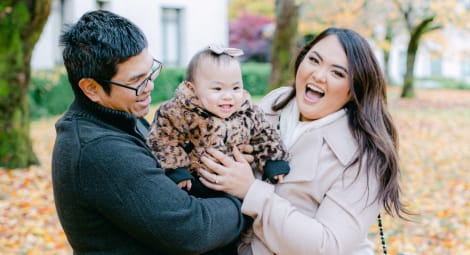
[386,59]
[408,84]
[408,90]
[284,43]
[415,36]
[386,52]
[21,24]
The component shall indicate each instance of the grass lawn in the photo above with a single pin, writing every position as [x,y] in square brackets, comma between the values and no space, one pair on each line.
[434,148]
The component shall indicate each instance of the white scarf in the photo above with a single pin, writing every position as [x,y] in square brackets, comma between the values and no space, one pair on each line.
[291,128]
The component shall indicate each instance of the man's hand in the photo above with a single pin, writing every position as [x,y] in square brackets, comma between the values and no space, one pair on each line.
[247,151]
[185,184]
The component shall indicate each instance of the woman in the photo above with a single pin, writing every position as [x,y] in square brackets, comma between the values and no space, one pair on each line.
[344,166]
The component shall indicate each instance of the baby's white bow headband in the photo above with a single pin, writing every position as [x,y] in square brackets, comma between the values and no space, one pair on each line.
[218,49]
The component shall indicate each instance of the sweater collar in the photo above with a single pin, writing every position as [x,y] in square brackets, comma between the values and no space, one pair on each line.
[119,119]
[292,129]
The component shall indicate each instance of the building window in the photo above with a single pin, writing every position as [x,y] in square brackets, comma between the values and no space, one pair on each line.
[102,4]
[466,68]
[171,36]
[436,67]
[402,61]
[61,11]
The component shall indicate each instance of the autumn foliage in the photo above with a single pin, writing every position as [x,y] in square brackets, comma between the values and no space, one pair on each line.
[434,148]
[248,32]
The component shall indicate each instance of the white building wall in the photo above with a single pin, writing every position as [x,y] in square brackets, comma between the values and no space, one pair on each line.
[202,22]
[45,51]
[456,53]
[145,14]
[423,63]
[206,21]
[397,61]
[452,52]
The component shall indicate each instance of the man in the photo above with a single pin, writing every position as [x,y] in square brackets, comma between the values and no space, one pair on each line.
[110,193]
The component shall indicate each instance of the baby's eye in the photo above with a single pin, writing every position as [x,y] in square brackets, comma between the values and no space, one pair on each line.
[217,89]
[236,88]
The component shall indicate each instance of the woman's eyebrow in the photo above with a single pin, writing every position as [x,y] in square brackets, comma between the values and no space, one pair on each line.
[341,67]
[318,55]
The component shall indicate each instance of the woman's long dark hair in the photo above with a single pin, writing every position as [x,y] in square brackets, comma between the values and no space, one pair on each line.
[368,116]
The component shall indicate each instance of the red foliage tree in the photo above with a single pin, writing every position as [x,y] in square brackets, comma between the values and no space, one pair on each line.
[252,34]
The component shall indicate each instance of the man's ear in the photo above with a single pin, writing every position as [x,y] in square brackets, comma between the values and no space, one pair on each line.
[90,88]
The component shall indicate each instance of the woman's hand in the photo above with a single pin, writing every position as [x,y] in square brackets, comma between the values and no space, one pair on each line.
[232,176]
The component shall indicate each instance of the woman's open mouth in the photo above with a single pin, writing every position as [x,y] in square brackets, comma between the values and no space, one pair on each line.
[313,93]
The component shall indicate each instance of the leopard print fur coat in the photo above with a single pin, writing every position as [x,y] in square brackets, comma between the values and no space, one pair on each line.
[182,131]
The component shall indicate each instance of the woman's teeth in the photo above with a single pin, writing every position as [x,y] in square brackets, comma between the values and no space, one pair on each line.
[316,90]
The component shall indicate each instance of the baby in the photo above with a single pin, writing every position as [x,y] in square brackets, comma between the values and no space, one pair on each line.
[210,109]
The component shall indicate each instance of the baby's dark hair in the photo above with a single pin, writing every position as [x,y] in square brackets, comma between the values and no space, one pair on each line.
[218,54]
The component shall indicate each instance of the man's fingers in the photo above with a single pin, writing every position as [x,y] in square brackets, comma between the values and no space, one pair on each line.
[249,158]
[189,184]
[238,156]
[247,151]
[245,148]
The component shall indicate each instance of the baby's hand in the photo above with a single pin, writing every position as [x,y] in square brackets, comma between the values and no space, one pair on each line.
[279,178]
[185,184]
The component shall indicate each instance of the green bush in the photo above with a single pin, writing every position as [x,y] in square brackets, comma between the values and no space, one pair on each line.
[166,83]
[256,77]
[50,92]
[441,82]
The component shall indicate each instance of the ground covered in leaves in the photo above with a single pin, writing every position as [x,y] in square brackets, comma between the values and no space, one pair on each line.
[435,151]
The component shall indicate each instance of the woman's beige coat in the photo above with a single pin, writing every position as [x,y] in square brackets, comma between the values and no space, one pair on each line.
[319,208]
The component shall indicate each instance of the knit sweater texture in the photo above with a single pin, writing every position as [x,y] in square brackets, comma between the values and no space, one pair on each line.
[112,197]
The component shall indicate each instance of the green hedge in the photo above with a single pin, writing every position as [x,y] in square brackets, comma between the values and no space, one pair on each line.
[50,93]
[256,78]
[166,83]
[441,82]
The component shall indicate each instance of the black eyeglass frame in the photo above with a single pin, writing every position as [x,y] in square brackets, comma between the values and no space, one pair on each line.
[155,72]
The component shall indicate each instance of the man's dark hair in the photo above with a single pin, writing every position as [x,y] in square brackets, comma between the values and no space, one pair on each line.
[96,44]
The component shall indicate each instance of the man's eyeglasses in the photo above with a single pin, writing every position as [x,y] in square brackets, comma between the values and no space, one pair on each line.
[139,89]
